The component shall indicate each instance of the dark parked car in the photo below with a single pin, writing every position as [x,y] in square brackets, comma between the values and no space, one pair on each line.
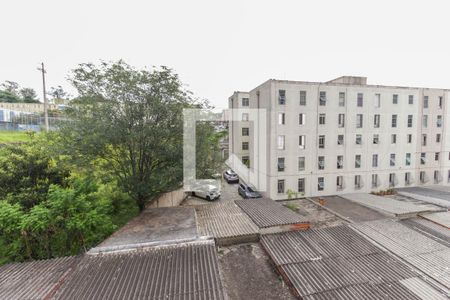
[230,176]
[248,191]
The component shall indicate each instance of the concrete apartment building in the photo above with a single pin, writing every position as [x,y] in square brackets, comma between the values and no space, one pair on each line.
[342,136]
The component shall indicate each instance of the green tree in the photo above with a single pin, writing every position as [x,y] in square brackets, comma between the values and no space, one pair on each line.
[8,97]
[132,119]
[10,87]
[29,95]
[209,159]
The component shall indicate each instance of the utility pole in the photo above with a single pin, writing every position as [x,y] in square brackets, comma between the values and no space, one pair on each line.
[42,69]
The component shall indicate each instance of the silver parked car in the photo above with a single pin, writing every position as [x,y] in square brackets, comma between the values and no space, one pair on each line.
[206,191]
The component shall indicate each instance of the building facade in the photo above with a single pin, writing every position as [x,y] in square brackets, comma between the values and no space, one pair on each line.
[342,136]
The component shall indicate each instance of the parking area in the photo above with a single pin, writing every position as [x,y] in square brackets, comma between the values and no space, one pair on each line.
[228,192]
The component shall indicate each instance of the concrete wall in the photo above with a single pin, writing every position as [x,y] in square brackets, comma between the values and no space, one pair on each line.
[268,98]
[169,199]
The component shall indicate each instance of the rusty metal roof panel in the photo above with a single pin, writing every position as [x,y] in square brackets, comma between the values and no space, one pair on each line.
[296,246]
[188,271]
[267,213]
[36,279]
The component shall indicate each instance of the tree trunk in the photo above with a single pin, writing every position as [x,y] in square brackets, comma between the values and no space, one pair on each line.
[141,203]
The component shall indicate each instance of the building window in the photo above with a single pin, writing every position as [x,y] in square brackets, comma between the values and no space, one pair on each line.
[439,121]
[393,139]
[320,183]
[395,99]
[392,160]
[322,98]
[321,162]
[360,99]
[340,139]
[281,118]
[244,145]
[437,176]
[357,161]
[321,119]
[436,156]
[425,101]
[376,139]
[374,180]
[340,162]
[424,139]
[281,97]
[411,99]
[359,121]
[377,100]
[301,163]
[302,141]
[245,102]
[301,119]
[303,98]
[425,121]
[394,121]
[441,102]
[321,141]
[246,161]
[281,186]
[358,184]
[376,121]
[281,142]
[409,138]
[423,177]
[340,183]
[423,158]
[341,99]
[407,178]
[245,131]
[341,120]
[438,138]
[392,180]
[280,164]
[408,159]
[358,139]
[448,176]
[301,185]
[244,117]
[375,160]
[410,121]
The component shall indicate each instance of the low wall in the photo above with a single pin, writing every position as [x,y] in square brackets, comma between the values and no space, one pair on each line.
[169,199]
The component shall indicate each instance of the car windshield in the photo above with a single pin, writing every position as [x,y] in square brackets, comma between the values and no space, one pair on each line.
[230,172]
[250,190]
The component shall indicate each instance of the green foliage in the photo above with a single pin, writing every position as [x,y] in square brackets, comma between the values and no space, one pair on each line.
[208,156]
[14,136]
[8,97]
[29,95]
[131,119]
[10,92]
[26,172]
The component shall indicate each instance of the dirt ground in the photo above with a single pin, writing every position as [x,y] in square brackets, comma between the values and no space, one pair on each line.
[317,216]
[247,273]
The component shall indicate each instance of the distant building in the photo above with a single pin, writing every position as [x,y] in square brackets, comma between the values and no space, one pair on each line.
[344,136]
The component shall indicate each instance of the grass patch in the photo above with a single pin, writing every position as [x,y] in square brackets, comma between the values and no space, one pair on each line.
[14,136]
[292,206]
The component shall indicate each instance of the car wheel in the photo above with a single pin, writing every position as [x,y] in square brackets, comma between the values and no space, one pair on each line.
[193,193]
[208,198]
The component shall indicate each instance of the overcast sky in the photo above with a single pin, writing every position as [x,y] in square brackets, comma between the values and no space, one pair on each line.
[218,48]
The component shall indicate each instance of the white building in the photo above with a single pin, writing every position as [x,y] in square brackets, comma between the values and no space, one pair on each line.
[343,136]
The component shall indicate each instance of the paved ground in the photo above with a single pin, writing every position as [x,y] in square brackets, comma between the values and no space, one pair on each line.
[317,216]
[439,195]
[248,273]
[152,226]
[228,193]
[352,212]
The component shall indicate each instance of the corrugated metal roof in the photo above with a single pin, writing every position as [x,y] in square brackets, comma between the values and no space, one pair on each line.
[429,191]
[294,247]
[36,279]
[224,220]
[432,230]
[424,253]
[441,218]
[390,205]
[267,213]
[422,289]
[188,271]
